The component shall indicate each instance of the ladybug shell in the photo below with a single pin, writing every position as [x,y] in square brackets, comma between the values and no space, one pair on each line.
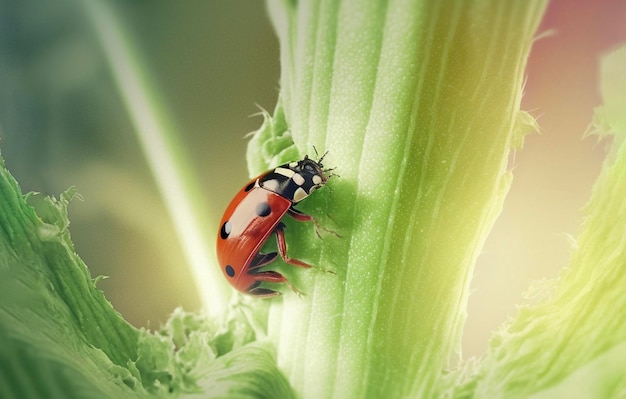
[254,214]
[248,222]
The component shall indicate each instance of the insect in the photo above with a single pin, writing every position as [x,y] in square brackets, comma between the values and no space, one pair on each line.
[255,214]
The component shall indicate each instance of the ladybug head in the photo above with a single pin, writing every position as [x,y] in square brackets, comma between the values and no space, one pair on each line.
[296,180]
[312,175]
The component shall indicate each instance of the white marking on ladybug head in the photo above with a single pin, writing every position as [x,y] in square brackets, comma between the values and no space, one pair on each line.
[298,179]
[271,185]
[293,164]
[299,194]
[284,172]
[317,180]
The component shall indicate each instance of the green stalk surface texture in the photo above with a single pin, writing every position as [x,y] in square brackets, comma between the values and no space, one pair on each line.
[418,104]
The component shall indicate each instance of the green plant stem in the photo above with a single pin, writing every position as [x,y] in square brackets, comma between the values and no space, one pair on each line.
[418,103]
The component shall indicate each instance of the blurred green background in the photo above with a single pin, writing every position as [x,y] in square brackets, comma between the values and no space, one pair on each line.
[62,123]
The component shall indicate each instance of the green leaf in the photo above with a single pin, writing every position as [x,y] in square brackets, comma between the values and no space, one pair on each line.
[60,338]
[246,373]
[59,334]
[571,344]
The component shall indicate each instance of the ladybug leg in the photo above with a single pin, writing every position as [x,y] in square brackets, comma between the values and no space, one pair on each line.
[269,276]
[300,216]
[282,247]
[261,260]
[259,292]
[282,250]
[303,217]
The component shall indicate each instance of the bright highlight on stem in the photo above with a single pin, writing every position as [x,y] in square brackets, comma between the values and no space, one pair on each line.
[157,137]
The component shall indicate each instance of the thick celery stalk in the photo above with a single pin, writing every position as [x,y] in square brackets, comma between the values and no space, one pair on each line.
[418,104]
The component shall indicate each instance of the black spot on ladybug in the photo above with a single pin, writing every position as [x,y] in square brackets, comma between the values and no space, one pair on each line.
[263,209]
[229,271]
[249,186]
[225,230]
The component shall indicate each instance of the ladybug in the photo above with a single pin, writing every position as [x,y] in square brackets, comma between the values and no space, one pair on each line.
[255,214]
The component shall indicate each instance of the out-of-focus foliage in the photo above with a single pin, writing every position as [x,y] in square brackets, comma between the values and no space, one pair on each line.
[60,337]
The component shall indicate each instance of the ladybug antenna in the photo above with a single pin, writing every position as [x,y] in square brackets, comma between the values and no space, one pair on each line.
[322,157]
[332,174]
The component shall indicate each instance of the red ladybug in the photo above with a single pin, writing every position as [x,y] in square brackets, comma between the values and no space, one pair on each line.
[254,214]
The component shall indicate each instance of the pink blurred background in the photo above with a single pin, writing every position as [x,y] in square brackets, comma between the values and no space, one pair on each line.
[555,170]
